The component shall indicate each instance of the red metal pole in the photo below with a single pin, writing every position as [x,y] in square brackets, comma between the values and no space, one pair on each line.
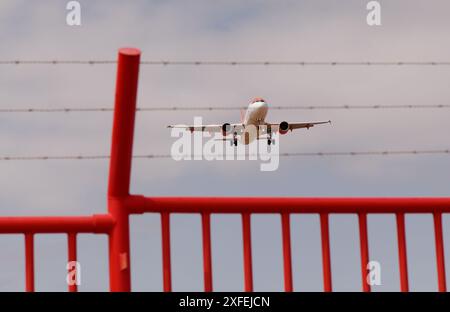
[72,255]
[287,259]
[120,167]
[167,272]
[29,262]
[207,263]
[89,224]
[239,205]
[124,116]
[364,248]
[247,243]
[440,258]
[403,263]
[326,262]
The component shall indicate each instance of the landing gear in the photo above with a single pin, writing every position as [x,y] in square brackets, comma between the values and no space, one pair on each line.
[270,141]
[234,142]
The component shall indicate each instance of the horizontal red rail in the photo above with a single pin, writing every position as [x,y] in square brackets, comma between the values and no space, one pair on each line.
[141,204]
[88,224]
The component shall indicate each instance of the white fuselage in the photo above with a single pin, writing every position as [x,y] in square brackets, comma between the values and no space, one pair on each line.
[254,116]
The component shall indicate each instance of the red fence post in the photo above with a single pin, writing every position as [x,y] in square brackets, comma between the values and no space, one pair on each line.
[120,167]
[440,255]
[364,250]
[287,257]
[402,256]
[29,262]
[165,237]
[247,244]
[207,261]
[326,261]
[72,256]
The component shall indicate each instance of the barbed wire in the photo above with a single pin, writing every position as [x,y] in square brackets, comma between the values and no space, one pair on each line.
[213,108]
[289,154]
[230,63]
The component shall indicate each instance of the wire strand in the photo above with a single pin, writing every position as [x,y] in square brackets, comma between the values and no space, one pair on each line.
[214,108]
[290,154]
[230,63]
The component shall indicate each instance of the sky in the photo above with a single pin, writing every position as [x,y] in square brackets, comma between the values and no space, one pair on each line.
[315,30]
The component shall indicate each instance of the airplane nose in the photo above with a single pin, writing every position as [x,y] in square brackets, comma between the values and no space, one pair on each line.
[260,104]
[258,100]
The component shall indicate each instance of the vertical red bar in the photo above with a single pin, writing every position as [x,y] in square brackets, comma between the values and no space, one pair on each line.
[247,243]
[207,262]
[29,262]
[287,258]
[124,116]
[165,229]
[364,248]
[72,257]
[403,263]
[326,262]
[120,167]
[439,251]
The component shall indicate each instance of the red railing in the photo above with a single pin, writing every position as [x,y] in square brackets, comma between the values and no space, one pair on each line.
[29,226]
[285,207]
[121,204]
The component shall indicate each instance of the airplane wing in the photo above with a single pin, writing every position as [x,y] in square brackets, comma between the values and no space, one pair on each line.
[297,125]
[210,128]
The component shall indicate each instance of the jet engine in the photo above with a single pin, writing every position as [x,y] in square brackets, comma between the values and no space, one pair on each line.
[284,127]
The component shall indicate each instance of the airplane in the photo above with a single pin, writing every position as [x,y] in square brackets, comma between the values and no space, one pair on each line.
[254,116]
